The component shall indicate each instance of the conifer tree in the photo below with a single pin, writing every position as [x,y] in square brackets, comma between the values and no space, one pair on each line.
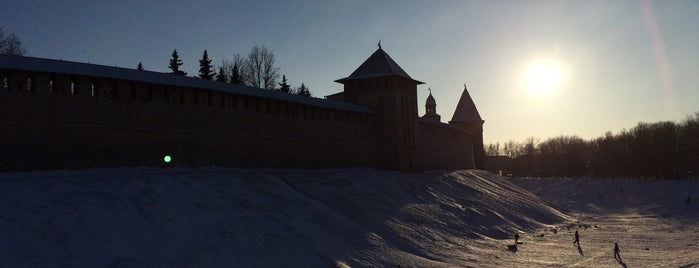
[175,64]
[140,66]
[283,86]
[221,76]
[235,75]
[303,91]
[205,71]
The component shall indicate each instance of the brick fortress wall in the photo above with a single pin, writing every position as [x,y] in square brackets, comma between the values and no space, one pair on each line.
[50,121]
[444,148]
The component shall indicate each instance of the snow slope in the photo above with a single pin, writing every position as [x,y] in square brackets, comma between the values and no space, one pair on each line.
[650,220]
[219,217]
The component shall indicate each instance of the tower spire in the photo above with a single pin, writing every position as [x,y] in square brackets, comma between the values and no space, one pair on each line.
[379,43]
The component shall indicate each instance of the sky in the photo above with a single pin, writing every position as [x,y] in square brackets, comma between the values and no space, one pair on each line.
[534,68]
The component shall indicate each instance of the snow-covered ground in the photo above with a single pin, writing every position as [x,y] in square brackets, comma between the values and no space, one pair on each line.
[655,223]
[220,217]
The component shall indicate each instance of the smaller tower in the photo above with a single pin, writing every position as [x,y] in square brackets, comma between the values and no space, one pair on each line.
[431,109]
[467,117]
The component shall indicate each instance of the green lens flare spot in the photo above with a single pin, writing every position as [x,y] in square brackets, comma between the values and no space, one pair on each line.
[167,159]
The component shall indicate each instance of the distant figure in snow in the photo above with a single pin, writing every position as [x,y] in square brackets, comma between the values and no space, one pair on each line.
[577,238]
[616,251]
[516,238]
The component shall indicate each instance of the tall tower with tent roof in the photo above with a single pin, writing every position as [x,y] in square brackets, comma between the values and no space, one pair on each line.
[382,85]
[467,117]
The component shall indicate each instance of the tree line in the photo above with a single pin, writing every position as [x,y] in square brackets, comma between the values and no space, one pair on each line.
[10,44]
[258,70]
[648,150]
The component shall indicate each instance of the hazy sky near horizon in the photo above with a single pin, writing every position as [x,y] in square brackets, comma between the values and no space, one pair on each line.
[615,63]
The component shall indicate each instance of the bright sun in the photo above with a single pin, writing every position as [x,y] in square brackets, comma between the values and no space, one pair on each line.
[542,76]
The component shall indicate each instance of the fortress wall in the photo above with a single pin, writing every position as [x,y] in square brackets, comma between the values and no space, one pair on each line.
[62,121]
[441,147]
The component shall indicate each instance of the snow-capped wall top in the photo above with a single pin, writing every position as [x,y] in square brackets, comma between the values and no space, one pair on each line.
[85,69]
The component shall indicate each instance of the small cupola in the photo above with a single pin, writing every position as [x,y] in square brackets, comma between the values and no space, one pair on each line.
[431,108]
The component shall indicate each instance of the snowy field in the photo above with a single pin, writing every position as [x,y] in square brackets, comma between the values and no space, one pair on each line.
[651,221]
[220,217]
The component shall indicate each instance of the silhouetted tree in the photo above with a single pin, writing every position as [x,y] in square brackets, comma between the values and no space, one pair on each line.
[303,91]
[493,149]
[562,156]
[205,71]
[648,150]
[283,86]
[140,66]
[237,75]
[10,45]
[259,69]
[512,149]
[689,146]
[221,76]
[175,64]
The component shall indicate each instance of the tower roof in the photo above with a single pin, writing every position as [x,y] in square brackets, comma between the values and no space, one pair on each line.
[378,64]
[430,101]
[466,109]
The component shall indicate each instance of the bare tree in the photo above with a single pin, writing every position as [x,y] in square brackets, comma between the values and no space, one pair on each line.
[234,70]
[238,71]
[493,149]
[10,45]
[259,69]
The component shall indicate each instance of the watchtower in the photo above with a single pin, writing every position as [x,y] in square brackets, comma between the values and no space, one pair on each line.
[380,84]
[466,116]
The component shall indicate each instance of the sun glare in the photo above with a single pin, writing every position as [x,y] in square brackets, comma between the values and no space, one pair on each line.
[542,76]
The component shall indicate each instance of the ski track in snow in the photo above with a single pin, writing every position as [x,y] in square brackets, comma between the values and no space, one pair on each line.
[221,217]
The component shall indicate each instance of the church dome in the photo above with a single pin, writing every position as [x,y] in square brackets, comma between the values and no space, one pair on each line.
[430,101]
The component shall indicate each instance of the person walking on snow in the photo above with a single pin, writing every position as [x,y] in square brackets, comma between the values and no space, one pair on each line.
[577,238]
[516,238]
[616,251]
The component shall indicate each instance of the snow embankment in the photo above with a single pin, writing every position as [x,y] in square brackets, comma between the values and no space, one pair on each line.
[218,217]
[662,198]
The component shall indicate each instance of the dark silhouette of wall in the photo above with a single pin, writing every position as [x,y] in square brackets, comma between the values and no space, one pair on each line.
[58,121]
[55,120]
[444,148]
